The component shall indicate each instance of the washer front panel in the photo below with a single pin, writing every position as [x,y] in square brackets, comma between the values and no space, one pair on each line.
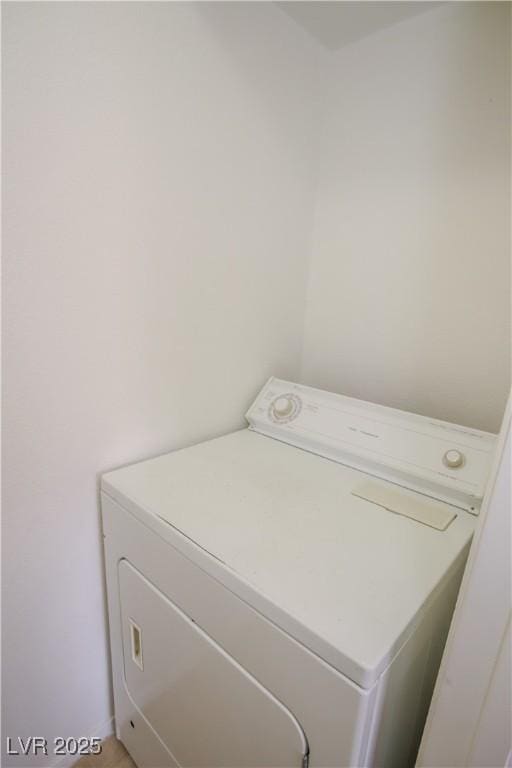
[206,708]
[330,708]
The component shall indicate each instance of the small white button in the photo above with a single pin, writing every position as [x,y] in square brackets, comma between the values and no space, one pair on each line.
[453,459]
[283,406]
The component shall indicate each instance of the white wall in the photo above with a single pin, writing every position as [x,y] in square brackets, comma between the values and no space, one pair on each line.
[159,179]
[469,719]
[157,212]
[409,291]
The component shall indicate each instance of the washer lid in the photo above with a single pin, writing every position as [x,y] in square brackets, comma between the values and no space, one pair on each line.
[281,528]
[439,459]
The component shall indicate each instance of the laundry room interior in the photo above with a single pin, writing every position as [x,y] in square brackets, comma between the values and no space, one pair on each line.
[256,378]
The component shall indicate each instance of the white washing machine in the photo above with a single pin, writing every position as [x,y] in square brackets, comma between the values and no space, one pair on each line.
[280,596]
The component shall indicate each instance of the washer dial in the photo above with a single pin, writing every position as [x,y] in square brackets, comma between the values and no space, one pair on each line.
[284,408]
[453,459]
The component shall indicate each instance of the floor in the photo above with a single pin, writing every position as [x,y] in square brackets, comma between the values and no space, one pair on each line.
[113,755]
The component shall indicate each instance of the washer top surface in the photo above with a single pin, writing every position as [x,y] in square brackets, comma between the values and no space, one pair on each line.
[281,528]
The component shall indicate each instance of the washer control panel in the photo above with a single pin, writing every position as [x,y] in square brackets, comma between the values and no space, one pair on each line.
[446,461]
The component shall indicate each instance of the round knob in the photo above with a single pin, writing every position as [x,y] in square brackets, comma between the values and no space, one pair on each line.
[453,459]
[283,406]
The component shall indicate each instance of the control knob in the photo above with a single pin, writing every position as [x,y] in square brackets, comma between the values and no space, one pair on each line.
[453,459]
[284,408]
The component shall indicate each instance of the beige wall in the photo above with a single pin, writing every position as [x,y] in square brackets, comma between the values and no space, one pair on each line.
[157,207]
[408,299]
